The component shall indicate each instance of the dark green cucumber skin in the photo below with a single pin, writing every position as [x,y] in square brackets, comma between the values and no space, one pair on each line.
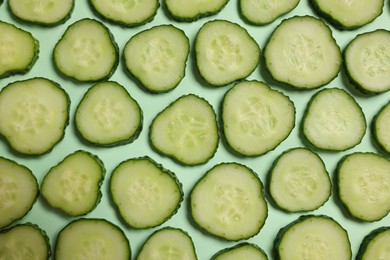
[192,18]
[242,244]
[355,82]
[114,226]
[205,176]
[115,21]
[33,60]
[335,22]
[269,179]
[374,133]
[337,176]
[139,80]
[118,142]
[367,239]
[101,78]
[43,24]
[64,126]
[35,197]
[171,156]
[283,230]
[166,228]
[165,171]
[103,171]
[39,229]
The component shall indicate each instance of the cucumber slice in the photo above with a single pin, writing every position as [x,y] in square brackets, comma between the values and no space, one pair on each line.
[299,181]
[107,115]
[347,14]
[24,241]
[192,10]
[18,52]
[225,52]
[256,118]
[43,12]
[381,127]
[313,237]
[244,250]
[92,239]
[127,12]
[145,194]
[18,191]
[302,53]
[168,243]
[263,12]
[362,184]
[33,115]
[186,130]
[333,120]
[86,52]
[73,185]
[157,57]
[367,61]
[228,202]
[375,245]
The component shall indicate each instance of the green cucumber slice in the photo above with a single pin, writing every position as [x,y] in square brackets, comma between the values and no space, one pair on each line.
[186,130]
[33,115]
[302,53]
[157,57]
[381,127]
[244,250]
[73,185]
[86,52]
[145,194]
[228,202]
[43,12]
[18,191]
[168,243]
[333,120]
[107,115]
[256,118]
[19,50]
[362,185]
[92,238]
[192,10]
[375,245]
[299,181]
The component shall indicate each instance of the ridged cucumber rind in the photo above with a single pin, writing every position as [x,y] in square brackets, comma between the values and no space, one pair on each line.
[373,237]
[247,249]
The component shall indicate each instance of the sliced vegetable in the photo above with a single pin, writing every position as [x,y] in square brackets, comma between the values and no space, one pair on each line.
[186,130]
[92,239]
[24,241]
[168,243]
[18,191]
[86,52]
[362,184]
[225,52]
[244,250]
[33,114]
[228,202]
[262,12]
[381,127]
[375,245]
[128,13]
[19,50]
[157,57]
[347,14]
[145,194]
[191,10]
[44,12]
[302,53]
[299,181]
[107,115]
[367,61]
[73,185]
[333,120]
[256,118]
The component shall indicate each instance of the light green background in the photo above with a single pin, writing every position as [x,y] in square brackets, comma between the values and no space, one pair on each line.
[206,245]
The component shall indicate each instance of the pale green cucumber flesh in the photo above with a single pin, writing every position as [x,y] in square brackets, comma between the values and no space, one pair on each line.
[381,127]
[375,245]
[243,250]
[191,10]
